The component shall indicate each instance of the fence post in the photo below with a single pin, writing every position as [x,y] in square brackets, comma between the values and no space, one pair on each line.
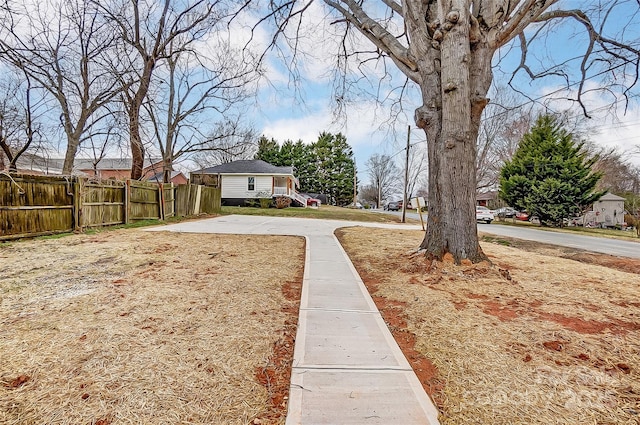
[77,205]
[196,206]
[161,199]
[127,201]
[173,200]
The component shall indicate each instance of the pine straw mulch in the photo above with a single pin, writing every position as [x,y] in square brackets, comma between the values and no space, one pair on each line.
[129,326]
[536,339]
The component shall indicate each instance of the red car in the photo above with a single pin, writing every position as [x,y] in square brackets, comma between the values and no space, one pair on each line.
[522,215]
[311,202]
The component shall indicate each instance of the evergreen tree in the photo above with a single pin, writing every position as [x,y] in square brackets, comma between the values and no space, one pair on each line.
[286,153]
[268,151]
[335,168]
[304,166]
[326,166]
[549,175]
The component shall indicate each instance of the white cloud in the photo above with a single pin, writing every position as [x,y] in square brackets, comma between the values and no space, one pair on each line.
[611,125]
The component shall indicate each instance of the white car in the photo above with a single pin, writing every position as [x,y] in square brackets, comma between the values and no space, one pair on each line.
[484,214]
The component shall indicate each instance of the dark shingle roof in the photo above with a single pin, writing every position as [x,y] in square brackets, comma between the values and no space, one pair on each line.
[160,176]
[254,166]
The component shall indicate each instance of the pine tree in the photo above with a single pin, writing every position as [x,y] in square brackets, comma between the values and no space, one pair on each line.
[550,175]
[305,166]
[268,151]
[286,153]
[335,167]
[326,166]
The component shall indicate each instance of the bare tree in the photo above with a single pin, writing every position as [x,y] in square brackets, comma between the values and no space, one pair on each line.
[418,169]
[12,123]
[191,107]
[154,32]
[21,108]
[619,176]
[446,49]
[384,177]
[368,194]
[222,148]
[63,46]
[109,137]
[505,120]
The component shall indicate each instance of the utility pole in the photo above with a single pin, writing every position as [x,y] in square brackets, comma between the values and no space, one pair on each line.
[406,176]
[355,186]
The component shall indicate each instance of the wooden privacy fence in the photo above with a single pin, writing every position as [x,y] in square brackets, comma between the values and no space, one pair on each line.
[37,205]
[194,199]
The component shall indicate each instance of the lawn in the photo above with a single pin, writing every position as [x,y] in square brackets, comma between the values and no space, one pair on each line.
[535,339]
[325,212]
[129,326]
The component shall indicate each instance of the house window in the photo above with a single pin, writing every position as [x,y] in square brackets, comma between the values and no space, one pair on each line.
[251,183]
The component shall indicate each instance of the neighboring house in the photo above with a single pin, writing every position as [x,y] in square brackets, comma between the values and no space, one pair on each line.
[106,168]
[608,211]
[177,178]
[115,168]
[251,179]
[29,163]
[486,198]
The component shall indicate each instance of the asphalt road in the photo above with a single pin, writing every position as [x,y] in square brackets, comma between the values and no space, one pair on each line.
[602,245]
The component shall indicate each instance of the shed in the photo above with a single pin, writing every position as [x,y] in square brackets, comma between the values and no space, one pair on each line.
[609,210]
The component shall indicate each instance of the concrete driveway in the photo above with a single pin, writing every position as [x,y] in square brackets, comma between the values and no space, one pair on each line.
[347,368]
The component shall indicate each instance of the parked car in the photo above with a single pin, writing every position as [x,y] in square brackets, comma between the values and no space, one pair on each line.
[311,201]
[409,206]
[522,215]
[392,206]
[505,212]
[484,214]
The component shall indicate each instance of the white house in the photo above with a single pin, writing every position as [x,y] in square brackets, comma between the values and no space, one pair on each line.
[608,211]
[251,179]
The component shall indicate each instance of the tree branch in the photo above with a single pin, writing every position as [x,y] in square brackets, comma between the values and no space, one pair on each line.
[378,35]
[522,17]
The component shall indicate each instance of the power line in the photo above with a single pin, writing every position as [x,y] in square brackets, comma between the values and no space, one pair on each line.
[532,101]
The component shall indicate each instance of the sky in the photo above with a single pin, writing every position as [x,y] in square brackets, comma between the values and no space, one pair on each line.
[285,114]
[301,106]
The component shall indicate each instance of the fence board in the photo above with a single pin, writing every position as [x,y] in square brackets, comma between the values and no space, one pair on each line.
[35,205]
[169,198]
[210,201]
[102,203]
[192,199]
[144,201]
[183,195]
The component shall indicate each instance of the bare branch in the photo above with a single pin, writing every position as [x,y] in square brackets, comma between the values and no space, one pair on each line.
[378,35]
[521,17]
[595,37]
[397,8]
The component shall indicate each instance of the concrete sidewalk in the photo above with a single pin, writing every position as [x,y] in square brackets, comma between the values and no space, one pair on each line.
[347,368]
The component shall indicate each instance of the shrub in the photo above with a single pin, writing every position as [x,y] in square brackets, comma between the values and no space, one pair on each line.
[282,202]
[265,202]
[264,199]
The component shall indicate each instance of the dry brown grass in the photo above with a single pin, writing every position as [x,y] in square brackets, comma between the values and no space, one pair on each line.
[536,340]
[142,327]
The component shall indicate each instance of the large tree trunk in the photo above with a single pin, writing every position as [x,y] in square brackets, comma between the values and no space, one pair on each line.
[137,148]
[450,118]
[135,141]
[70,155]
